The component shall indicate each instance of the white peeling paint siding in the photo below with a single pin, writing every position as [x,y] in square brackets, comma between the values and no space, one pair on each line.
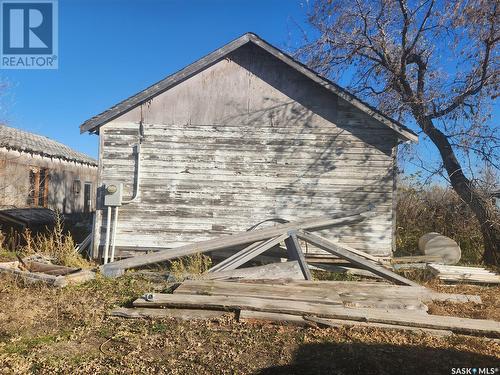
[246,140]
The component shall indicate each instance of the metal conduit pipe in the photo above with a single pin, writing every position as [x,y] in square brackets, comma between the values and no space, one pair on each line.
[136,190]
[108,228]
[138,176]
[113,238]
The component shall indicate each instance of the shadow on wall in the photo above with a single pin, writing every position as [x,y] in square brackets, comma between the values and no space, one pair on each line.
[61,196]
[333,152]
[360,358]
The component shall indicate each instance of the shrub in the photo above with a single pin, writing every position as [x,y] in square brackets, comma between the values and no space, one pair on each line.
[422,209]
[193,265]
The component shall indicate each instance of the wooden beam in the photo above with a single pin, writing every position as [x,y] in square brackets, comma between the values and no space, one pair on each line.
[282,270]
[339,251]
[354,288]
[247,254]
[266,317]
[220,266]
[353,323]
[250,316]
[364,299]
[115,269]
[480,327]
[295,253]
[182,314]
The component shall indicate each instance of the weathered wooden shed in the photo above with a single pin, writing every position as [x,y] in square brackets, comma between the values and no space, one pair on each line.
[36,171]
[244,134]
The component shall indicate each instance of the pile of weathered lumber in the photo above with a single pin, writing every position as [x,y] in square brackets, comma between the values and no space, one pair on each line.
[325,303]
[34,272]
[256,242]
[285,291]
[458,274]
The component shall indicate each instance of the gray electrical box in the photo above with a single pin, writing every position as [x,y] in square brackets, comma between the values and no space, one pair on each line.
[113,193]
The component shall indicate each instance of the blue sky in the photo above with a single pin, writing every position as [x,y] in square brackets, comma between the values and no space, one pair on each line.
[111,49]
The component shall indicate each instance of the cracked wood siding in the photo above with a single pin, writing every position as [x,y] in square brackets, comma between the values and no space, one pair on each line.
[244,140]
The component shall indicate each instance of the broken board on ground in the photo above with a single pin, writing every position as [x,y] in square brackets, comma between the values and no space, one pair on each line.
[51,274]
[458,274]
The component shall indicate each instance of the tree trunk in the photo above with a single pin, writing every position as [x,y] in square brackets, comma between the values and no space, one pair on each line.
[481,206]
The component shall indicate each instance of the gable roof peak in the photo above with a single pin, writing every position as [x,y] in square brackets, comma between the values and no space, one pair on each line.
[134,101]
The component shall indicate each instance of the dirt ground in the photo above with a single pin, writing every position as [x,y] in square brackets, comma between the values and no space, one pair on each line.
[67,331]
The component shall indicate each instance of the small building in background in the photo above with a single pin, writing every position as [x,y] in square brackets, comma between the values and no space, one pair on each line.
[36,171]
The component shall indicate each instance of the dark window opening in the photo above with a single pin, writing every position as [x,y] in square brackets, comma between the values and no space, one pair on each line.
[38,195]
[77,186]
[87,202]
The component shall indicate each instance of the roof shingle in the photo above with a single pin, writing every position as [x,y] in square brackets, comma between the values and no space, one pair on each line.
[20,140]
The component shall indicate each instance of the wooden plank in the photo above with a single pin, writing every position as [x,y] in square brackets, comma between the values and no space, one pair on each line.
[263,259]
[30,277]
[181,314]
[75,278]
[337,250]
[359,252]
[247,254]
[416,259]
[458,325]
[465,268]
[117,268]
[344,269]
[347,289]
[295,253]
[221,266]
[464,274]
[283,270]
[55,280]
[259,316]
[266,317]
[352,323]
[474,280]
[291,293]
[50,269]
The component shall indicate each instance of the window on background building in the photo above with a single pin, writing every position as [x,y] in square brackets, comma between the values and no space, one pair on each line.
[77,186]
[38,195]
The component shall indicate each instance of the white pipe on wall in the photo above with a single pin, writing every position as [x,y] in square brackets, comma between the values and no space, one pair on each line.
[138,179]
[113,236]
[134,198]
[108,228]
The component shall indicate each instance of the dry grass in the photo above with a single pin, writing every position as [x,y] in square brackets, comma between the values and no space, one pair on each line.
[489,309]
[422,209]
[55,244]
[45,330]
[191,266]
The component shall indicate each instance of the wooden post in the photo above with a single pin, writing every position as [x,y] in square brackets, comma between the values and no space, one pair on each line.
[248,253]
[343,253]
[36,187]
[295,253]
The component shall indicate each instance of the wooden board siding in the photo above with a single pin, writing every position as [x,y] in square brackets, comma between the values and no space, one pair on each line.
[245,140]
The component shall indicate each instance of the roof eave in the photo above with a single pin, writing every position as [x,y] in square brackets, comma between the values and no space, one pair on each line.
[143,96]
[163,85]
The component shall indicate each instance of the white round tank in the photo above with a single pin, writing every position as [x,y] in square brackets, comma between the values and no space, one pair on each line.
[436,244]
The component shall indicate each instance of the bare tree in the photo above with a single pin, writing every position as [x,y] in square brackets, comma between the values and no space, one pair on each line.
[431,63]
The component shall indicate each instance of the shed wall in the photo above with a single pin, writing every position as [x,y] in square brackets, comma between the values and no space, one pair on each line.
[247,139]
